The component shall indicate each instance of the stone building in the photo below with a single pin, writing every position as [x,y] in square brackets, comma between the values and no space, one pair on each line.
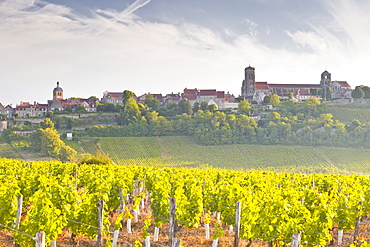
[253,90]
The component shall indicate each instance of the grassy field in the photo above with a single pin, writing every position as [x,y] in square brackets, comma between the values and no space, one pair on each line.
[183,151]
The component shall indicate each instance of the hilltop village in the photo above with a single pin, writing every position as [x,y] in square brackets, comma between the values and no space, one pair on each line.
[253,91]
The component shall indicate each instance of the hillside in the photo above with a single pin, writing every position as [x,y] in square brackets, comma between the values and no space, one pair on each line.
[183,151]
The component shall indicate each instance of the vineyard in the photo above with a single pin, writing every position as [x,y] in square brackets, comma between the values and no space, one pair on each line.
[8,151]
[183,151]
[62,201]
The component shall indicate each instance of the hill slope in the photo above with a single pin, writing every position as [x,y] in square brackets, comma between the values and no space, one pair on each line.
[183,151]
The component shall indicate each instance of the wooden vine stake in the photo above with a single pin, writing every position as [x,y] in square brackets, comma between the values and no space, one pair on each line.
[173,242]
[357,228]
[296,241]
[237,224]
[40,239]
[99,242]
[19,211]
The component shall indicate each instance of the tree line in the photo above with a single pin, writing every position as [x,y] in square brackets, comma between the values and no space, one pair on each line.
[288,123]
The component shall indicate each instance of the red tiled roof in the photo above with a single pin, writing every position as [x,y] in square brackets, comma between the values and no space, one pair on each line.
[189,96]
[190,91]
[262,85]
[207,92]
[342,83]
[220,94]
[304,92]
[158,96]
[295,85]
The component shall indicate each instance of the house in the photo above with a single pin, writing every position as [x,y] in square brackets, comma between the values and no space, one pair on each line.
[211,96]
[112,97]
[7,110]
[25,109]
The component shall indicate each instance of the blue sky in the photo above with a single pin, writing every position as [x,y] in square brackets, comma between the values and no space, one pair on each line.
[163,46]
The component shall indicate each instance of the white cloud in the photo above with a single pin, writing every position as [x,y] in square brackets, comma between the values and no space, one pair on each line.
[114,51]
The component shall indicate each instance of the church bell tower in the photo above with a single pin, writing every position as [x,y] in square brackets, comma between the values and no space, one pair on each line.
[249,83]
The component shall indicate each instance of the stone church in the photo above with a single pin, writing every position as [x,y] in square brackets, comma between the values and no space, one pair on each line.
[256,91]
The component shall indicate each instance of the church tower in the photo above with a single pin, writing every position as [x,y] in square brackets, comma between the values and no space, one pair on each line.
[325,79]
[249,83]
[58,93]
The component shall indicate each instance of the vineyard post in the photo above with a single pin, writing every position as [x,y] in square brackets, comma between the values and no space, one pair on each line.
[357,228]
[121,205]
[19,211]
[40,239]
[296,241]
[340,237]
[237,224]
[100,223]
[171,230]
[115,238]
[135,187]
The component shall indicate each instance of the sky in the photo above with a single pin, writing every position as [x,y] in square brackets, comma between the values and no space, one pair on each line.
[164,46]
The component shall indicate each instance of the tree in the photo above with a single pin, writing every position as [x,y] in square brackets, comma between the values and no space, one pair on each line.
[80,109]
[204,106]
[366,90]
[131,112]
[244,107]
[47,123]
[267,99]
[127,95]
[291,95]
[151,116]
[196,107]
[69,123]
[109,107]
[152,102]
[49,114]
[67,153]
[185,106]
[212,107]
[358,93]
[68,108]
[275,100]
[57,123]
[93,99]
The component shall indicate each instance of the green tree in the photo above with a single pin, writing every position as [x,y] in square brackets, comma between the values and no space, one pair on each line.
[290,95]
[66,153]
[49,114]
[69,123]
[151,116]
[196,107]
[275,100]
[93,99]
[204,106]
[212,107]
[267,99]
[126,96]
[185,107]
[244,107]
[358,93]
[47,123]
[366,90]
[131,112]
[109,107]
[57,123]
[68,108]
[80,109]
[152,102]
